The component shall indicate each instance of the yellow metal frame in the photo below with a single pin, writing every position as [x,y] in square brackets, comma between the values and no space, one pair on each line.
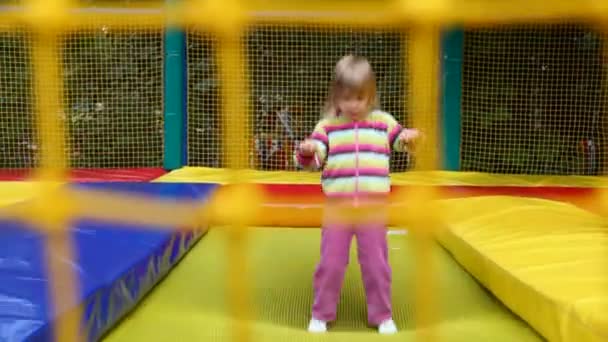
[54,206]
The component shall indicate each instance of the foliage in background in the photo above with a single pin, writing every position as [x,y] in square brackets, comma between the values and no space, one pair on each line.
[113,99]
[17,141]
[532,95]
[290,71]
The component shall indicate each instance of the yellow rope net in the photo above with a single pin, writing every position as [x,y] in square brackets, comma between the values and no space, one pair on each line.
[227,20]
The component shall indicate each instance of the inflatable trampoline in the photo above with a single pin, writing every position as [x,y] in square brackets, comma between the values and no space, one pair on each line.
[507,271]
[138,204]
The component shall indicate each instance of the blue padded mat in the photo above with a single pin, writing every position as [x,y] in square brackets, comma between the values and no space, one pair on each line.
[116,266]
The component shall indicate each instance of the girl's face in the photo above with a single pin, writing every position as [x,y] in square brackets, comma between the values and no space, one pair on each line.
[353,105]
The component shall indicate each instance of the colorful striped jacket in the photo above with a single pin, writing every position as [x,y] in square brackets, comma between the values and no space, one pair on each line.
[353,155]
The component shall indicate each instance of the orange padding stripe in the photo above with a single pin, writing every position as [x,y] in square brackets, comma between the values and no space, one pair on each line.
[301,205]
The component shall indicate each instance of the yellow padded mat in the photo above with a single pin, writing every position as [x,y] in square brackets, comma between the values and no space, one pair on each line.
[217,175]
[547,261]
[12,192]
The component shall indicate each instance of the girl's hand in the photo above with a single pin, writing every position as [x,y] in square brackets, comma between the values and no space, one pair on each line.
[307,148]
[409,135]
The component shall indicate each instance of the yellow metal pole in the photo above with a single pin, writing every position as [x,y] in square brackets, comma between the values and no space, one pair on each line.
[603,186]
[51,212]
[419,216]
[235,202]
[235,126]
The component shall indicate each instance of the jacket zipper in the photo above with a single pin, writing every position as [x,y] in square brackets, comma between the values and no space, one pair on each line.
[356,164]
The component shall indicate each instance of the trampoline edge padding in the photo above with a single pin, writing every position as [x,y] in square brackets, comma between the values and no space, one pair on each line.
[544,260]
[122,295]
[135,283]
[116,265]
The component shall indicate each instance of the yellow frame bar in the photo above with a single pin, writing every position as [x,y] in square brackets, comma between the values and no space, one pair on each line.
[358,13]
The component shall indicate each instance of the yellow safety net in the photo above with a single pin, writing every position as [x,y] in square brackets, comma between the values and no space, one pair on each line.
[226,20]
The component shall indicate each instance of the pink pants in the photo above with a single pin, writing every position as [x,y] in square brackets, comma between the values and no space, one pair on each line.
[372,253]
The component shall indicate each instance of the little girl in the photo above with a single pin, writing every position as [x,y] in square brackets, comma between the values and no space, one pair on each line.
[352,145]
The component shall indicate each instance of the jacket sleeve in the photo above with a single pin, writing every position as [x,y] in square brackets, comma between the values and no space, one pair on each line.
[316,161]
[394,129]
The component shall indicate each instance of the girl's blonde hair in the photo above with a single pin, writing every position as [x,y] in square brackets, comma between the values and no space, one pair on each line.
[352,74]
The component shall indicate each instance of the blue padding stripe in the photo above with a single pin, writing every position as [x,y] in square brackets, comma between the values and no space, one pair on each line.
[116,266]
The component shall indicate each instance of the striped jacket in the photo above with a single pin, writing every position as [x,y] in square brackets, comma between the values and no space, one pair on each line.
[353,155]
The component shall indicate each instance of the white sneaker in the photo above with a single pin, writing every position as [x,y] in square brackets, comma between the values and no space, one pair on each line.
[317,326]
[387,327]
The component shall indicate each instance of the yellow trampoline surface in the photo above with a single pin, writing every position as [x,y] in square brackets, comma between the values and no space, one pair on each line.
[191,304]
